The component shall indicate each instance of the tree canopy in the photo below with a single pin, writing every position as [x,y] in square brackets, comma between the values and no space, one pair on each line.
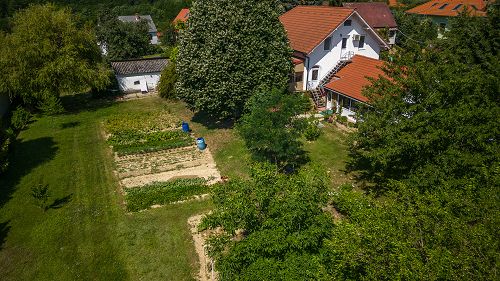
[229,51]
[123,40]
[47,55]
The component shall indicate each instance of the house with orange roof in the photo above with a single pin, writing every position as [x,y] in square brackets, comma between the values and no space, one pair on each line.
[181,17]
[325,39]
[439,11]
[344,91]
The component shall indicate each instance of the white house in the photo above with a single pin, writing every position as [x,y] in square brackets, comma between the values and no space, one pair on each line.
[153,32]
[139,75]
[324,39]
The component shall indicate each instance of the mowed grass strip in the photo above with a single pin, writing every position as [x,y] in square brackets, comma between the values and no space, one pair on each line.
[161,193]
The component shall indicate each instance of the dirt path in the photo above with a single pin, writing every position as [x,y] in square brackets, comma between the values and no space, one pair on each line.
[205,273]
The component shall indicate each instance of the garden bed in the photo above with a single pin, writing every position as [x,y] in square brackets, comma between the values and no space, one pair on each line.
[161,193]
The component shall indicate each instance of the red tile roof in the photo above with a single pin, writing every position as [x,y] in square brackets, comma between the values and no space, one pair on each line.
[182,16]
[376,14]
[308,26]
[395,3]
[449,8]
[352,78]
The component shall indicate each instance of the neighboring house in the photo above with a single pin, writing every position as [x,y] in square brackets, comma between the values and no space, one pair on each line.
[181,17]
[379,17]
[324,39]
[439,11]
[139,75]
[344,90]
[153,33]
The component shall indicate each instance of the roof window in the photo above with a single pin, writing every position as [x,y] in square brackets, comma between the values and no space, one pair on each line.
[437,3]
[457,7]
[443,6]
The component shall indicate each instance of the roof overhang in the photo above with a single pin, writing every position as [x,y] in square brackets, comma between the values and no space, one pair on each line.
[368,27]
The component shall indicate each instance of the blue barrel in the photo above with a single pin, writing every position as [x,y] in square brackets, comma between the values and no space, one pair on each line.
[200,142]
[185,127]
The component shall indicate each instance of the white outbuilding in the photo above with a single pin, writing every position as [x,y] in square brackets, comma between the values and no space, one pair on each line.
[138,75]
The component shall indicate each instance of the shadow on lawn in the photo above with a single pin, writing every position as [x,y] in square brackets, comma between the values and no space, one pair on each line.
[23,158]
[74,104]
[4,231]
[212,123]
[60,202]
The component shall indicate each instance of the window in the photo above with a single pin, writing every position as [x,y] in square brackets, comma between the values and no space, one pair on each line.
[348,23]
[137,82]
[327,44]
[443,6]
[344,43]
[457,7]
[392,33]
[315,72]
[434,4]
[298,76]
[361,41]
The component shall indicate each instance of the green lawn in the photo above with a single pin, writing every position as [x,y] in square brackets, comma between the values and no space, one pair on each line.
[87,233]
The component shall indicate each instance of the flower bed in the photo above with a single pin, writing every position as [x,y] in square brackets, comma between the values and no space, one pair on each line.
[130,142]
[160,193]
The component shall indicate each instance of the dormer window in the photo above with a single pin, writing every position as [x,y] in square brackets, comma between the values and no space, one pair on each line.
[348,23]
[457,7]
[443,6]
[327,45]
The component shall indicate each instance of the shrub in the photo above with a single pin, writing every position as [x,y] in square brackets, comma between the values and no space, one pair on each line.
[140,198]
[342,120]
[312,131]
[20,118]
[4,150]
[40,194]
[166,87]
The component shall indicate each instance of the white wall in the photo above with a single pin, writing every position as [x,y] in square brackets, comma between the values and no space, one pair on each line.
[328,59]
[154,38]
[126,82]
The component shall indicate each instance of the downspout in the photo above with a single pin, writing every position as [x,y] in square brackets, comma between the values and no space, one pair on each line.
[307,73]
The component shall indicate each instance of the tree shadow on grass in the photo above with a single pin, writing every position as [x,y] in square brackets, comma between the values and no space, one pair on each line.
[212,123]
[68,125]
[24,156]
[4,231]
[74,104]
[60,202]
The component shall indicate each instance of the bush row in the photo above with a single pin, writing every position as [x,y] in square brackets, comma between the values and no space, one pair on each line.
[160,193]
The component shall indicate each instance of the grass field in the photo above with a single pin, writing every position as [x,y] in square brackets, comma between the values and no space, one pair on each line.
[87,234]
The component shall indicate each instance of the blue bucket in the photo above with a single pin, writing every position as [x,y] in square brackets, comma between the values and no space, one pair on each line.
[200,142]
[185,127]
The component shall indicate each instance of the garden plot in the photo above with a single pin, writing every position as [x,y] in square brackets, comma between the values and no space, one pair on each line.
[151,148]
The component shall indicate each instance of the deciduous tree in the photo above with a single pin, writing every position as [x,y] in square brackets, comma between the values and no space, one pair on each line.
[229,51]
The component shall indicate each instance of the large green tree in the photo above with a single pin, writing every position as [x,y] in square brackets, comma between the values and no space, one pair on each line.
[48,55]
[278,225]
[429,145]
[123,40]
[229,51]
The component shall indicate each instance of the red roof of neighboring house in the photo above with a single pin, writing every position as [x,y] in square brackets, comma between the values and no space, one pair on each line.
[449,8]
[352,78]
[183,15]
[297,61]
[308,26]
[376,14]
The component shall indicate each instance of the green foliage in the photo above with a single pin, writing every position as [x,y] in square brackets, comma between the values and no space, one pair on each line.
[414,32]
[123,40]
[41,195]
[142,122]
[428,145]
[312,132]
[48,55]
[166,86]
[271,130]
[130,142]
[4,152]
[278,222]
[222,63]
[160,193]
[20,119]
